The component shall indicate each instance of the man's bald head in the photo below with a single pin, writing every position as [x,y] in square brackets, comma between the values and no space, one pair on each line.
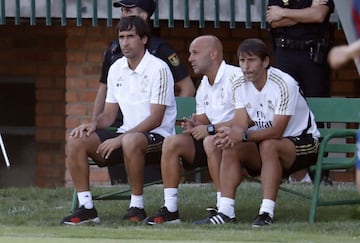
[206,55]
[209,42]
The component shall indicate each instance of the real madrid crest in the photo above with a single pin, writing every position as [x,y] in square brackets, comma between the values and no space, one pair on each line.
[286,2]
[144,84]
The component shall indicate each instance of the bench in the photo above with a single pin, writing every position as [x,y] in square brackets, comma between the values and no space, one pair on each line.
[337,147]
[336,150]
[341,119]
[185,108]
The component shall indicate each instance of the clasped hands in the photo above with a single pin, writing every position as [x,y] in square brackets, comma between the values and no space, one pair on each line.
[227,137]
[192,127]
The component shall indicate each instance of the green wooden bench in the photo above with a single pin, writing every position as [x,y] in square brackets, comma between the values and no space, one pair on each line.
[336,150]
[337,147]
[185,108]
[341,117]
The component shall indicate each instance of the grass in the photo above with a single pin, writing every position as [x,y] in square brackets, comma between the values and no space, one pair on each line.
[33,215]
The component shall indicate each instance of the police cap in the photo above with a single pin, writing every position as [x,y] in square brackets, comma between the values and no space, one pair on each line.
[148,5]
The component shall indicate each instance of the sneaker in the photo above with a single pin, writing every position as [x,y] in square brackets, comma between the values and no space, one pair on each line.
[218,218]
[164,216]
[82,216]
[262,220]
[212,211]
[135,214]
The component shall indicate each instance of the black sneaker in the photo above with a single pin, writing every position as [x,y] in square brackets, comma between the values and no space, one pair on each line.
[82,216]
[262,220]
[164,216]
[212,211]
[218,218]
[135,214]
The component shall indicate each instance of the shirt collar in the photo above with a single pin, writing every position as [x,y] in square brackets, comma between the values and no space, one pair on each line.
[141,66]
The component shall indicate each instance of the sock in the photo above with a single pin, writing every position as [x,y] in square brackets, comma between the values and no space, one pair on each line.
[227,206]
[267,206]
[85,199]
[137,201]
[218,196]
[171,198]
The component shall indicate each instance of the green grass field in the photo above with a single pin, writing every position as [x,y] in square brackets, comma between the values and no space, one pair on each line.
[33,215]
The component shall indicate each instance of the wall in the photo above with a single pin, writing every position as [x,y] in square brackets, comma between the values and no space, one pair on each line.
[38,54]
[65,64]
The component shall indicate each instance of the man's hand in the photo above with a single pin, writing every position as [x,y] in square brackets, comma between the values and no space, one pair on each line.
[274,13]
[199,132]
[108,146]
[83,130]
[187,125]
[222,138]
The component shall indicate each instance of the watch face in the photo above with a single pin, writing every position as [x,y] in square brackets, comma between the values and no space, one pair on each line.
[211,129]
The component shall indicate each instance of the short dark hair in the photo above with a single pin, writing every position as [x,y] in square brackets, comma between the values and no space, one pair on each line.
[253,46]
[141,27]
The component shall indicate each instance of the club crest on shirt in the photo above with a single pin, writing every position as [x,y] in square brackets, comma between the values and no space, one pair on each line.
[144,84]
[271,106]
[174,60]
[286,2]
[119,82]
[206,100]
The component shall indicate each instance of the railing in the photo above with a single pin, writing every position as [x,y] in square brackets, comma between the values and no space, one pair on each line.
[216,11]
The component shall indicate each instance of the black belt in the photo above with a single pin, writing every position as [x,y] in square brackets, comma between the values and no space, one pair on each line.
[293,44]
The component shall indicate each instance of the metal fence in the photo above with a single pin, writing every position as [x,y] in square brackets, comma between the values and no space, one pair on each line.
[216,11]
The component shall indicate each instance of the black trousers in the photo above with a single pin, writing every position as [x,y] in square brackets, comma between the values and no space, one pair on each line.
[313,78]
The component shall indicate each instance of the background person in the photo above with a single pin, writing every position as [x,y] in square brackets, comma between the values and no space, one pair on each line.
[214,108]
[302,35]
[340,55]
[142,86]
[158,47]
[280,141]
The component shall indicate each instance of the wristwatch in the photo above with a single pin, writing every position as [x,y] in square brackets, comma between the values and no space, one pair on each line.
[211,129]
[245,137]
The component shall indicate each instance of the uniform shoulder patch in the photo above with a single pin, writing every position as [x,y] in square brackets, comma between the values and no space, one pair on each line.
[174,59]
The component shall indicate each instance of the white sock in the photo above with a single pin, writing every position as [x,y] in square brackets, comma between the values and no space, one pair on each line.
[137,201]
[267,206]
[227,206]
[218,196]
[85,199]
[171,199]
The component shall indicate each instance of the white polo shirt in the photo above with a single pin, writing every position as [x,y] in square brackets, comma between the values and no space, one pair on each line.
[280,96]
[134,90]
[217,101]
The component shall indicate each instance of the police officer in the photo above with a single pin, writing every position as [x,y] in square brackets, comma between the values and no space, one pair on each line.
[158,47]
[301,35]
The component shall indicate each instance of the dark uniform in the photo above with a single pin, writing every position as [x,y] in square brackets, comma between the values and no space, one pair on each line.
[161,49]
[355,12]
[301,50]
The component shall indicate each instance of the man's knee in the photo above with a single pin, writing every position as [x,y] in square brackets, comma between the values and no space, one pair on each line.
[74,144]
[172,142]
[133,142]
[268,146]
[209,144]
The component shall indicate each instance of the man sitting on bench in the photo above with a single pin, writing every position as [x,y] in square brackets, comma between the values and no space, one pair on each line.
[214,108]
[280,142]
[143,87]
